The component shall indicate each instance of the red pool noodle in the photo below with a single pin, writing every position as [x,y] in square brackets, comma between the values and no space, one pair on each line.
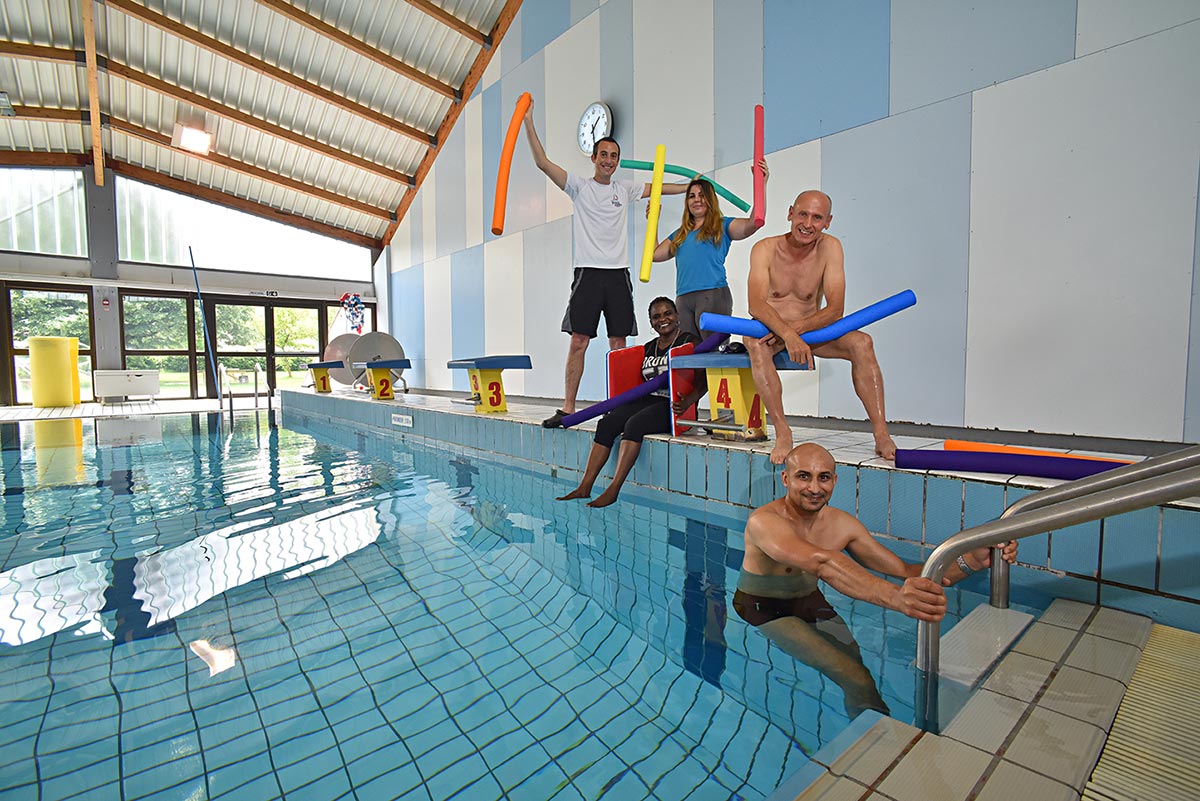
[1016,464]
[510,144]
[759,213]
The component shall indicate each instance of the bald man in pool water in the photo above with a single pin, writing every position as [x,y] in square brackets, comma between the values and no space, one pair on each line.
[795,541]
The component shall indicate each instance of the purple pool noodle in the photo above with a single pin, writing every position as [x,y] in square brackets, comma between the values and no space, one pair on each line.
[712,342]
[1010,463]
[851,322]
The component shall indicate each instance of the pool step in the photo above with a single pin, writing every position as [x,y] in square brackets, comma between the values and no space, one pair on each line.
[1038,724]
[1149,754]
[969,650]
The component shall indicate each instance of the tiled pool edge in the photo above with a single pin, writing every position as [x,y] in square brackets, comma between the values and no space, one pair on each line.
[912,511]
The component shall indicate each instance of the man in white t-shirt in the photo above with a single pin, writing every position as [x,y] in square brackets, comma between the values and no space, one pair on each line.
[601,260]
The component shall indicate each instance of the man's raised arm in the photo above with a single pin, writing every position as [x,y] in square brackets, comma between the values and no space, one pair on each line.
[918,597]
[554,172]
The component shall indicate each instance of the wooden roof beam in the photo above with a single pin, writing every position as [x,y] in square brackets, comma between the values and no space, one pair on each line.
[286,9]
[241,204]
[93,85]
[250,121]
[181,31]
[162,140]
[29,158]
[62,55]
[446,18]
[474,74]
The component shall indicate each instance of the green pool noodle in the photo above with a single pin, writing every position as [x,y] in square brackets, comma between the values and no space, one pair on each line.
[675,169]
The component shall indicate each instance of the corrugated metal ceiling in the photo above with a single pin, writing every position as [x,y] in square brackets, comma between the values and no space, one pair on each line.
[325,113]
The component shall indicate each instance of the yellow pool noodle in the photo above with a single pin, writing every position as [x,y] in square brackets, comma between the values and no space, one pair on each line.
[660,159]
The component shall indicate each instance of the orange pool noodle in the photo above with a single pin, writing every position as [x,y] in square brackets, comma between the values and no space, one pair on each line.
[510,144]
[984,447]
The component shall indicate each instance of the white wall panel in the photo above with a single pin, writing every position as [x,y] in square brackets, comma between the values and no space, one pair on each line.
[438,326]
[1104,23]
[504,303]
[401,247]
[673,89]
[572,82]
[427,197]
[472,122]
[547,265]
[1082,221]
[793,170]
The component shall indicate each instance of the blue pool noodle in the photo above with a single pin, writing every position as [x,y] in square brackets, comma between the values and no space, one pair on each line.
[1016,464]
[851,322]
[640,391]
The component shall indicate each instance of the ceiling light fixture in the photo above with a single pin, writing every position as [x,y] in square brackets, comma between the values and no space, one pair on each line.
[195,140]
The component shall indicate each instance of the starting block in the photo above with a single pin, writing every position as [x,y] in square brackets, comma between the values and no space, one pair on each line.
[379,376]
[320,374]
[736,408]
[487,384]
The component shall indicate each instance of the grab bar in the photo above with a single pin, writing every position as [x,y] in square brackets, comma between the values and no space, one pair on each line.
[1181,482]
[1117,477]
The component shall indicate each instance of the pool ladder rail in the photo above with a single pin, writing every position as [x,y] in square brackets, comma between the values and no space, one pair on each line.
[225,388]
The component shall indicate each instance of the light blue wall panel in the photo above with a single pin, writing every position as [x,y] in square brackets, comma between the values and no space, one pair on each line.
[494,127]
[901,206]
[408,319]
[542,21]
[1191,406]
[526,206]
[825,67]
[466,312]
[616,73]
[943,48]
[581,8]
[450,198]
[737,78]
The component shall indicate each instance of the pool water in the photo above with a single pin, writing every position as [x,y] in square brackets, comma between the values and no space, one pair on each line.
[193,609]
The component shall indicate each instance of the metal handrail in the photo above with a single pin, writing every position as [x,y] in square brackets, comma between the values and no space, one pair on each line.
[1181,482]
[1117,477]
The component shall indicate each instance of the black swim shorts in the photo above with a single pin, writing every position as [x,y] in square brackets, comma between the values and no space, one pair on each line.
[759,609]
[596,290]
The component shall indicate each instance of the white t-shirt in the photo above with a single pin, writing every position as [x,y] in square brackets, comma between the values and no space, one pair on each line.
[601,223]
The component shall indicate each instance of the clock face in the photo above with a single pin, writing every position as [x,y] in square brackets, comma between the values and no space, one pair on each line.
[595,123]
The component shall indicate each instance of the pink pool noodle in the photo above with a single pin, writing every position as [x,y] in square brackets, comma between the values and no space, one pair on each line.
[759,214]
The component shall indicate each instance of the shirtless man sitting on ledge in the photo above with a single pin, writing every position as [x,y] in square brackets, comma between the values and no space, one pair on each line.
[789,275]
[794,541]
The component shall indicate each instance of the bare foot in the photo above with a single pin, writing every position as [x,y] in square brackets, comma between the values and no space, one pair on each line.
[607,498]
[885,447]
[783,446]
[578,492]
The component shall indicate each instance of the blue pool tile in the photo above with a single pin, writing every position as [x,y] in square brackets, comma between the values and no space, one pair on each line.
[943,508]
[1162,610]
[1180,553]
[677,467]
[1076,549]
[717,480]
[982,503]
[906,505]
[845,492]
[697,470]
[466,771]
[764,480]
[873,499]
[738,477]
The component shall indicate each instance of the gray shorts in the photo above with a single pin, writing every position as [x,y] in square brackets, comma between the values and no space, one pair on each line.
[693,304]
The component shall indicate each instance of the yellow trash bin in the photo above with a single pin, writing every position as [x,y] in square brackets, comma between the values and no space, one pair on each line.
[51,369]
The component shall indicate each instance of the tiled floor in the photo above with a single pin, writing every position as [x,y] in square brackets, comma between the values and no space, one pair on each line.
[1034,731]
[124,409]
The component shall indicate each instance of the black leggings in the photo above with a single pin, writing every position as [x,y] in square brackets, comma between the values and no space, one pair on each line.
[634,420]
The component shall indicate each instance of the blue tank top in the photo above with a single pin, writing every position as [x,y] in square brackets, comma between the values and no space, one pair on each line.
[701,265]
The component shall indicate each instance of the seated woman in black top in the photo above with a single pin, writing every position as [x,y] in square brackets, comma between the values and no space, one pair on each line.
[636,419]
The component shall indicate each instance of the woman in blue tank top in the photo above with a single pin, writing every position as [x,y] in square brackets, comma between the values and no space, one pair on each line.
[699,247]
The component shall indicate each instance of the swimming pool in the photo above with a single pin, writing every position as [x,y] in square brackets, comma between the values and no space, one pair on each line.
[197,610]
